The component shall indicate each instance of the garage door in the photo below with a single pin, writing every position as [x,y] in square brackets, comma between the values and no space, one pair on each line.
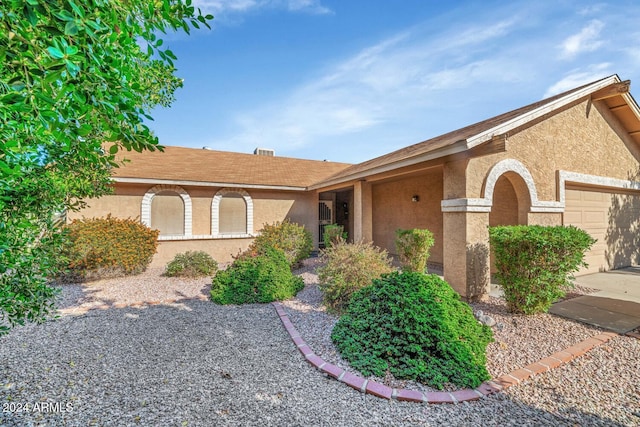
[611,218]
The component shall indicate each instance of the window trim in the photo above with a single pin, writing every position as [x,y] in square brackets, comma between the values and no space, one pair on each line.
[215,213]
[145,213]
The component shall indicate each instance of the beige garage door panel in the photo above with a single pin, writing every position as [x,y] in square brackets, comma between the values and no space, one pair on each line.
[612,219]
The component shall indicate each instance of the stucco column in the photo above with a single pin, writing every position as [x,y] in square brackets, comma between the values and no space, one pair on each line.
[466,252]
[362,212]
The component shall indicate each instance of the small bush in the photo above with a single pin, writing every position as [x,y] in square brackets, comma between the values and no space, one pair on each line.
[415,326]
[107,247]
[349,267]
[261,278]
[413,248]
[192,264]
[535,264]
[333,233]
[291,238]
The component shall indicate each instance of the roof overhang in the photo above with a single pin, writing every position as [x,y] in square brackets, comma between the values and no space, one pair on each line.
[519,121]
[611,85]
[455,148]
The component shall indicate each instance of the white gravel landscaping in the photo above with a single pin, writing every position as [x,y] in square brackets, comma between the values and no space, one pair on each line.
[177,360]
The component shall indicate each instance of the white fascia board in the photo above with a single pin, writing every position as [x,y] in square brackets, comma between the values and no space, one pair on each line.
[538,112]
[455,148]
[632,104]
[205,184]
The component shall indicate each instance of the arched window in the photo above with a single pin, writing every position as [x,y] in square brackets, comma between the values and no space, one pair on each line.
[167,213]
[232,213]
[167,208]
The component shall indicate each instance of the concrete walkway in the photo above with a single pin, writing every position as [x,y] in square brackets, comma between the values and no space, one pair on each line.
[616,306]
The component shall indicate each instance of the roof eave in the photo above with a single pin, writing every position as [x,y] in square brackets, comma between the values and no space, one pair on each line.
[487,135]
[455,148]
[154,181]
[541,111]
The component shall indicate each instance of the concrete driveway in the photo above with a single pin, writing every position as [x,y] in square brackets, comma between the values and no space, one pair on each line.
[616,306]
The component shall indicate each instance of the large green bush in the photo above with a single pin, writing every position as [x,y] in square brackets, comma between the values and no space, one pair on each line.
[535,264]
[413,248]
[260,278]
[291,238]
[415,326]
[349,267]
[192,264]
[107,247]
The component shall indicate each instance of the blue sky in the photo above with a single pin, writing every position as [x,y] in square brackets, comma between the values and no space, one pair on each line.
[349,80]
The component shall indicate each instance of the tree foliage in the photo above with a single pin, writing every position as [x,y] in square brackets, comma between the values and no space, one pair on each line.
[78,78]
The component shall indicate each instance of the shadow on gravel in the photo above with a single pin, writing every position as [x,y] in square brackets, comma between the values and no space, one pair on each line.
[196,363]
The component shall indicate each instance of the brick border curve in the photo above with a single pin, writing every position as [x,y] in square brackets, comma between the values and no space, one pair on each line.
[488,387]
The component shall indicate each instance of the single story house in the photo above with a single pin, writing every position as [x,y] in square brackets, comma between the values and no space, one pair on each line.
[569,159]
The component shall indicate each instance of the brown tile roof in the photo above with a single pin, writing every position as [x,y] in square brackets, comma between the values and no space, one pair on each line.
[198,165]
[444,141]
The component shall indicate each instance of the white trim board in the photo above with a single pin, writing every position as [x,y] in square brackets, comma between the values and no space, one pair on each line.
[544,206]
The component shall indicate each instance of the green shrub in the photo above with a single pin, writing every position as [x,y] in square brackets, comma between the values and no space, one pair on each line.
[333,233]
[349,267]
[413,248]
[192,264]
[291,238]
[258,278]
[535,264]
[415,326]
[107,247]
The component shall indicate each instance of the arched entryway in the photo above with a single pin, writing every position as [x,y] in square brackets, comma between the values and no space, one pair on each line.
[510,196]
[511,201]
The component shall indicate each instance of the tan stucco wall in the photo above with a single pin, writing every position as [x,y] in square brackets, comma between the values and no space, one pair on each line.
[275,206]
[298,207]
[393,209]
[569,141]
[123,203]
[221,250]
[579,139]
[268,207]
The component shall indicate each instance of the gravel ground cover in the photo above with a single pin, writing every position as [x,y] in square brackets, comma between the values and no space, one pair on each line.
[513,334]
[193,363]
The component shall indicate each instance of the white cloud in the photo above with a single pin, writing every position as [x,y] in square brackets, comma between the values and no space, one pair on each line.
[592,9]
[310,6]
[578,77]
[388,81]
[587,40]
[224,7]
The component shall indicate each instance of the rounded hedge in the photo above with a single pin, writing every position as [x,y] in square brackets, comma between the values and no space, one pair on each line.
[106,247]
[415,326]
[535,264]
[192,264]
[260,278]
[293,239]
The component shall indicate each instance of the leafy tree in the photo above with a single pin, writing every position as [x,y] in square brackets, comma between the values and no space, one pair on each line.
[77,80]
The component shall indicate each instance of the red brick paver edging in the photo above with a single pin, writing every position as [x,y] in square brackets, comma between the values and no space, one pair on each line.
[633,334]
[489,387]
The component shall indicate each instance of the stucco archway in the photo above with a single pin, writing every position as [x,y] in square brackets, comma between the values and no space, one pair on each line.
[145,212]
[215,210]
[511,201]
